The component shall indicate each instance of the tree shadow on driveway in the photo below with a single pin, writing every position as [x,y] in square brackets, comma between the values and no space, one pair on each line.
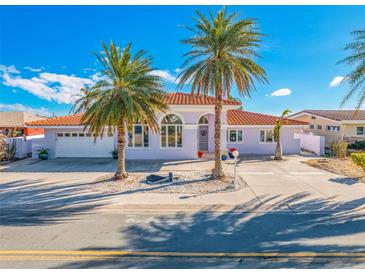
[31,202]
[240,230]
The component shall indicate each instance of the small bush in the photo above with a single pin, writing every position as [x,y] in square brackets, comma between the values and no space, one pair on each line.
[340,150]
[359,159]
[358,145]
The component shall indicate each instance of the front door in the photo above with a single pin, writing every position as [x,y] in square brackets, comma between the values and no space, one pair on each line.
[203,138]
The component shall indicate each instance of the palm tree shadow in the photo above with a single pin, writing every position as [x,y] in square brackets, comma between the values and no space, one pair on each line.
[34,203]
[312,226]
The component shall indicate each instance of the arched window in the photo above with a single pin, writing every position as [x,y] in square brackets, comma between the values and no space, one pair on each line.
[203,120]
[171,131]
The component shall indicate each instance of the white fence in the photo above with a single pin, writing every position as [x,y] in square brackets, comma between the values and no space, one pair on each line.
[312,143]
[23,145]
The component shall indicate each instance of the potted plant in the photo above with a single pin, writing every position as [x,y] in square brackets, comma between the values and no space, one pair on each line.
[43,154]
[115,154]
[200,154]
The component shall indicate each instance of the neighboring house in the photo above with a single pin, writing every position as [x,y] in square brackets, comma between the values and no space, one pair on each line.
[17,120]
[187,127]
[334,125]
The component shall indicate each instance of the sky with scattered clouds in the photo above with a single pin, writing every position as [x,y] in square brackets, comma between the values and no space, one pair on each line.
[47,53]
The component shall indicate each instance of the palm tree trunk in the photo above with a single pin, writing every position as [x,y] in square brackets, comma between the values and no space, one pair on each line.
[121,173]
[278,151]
[218,171]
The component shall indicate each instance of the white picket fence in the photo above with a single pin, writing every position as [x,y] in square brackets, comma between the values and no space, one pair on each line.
[311,143]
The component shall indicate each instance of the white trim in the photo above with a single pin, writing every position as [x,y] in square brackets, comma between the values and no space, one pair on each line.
[353,122]
[134,134]
[167,134]
[170,113]
[190,126]
[205,113]
[236,142]
[266,143]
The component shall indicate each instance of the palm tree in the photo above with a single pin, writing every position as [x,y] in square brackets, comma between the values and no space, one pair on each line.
[126,94]
[356,78]
[278,124]
[221,55]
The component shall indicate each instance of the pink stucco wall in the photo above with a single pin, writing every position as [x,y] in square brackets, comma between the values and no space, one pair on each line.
[189,149]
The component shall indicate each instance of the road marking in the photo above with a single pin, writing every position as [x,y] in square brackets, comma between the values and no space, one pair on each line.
[96,254]
[307,173]
[257,173]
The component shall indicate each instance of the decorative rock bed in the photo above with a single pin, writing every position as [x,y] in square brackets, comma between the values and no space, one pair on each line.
[183,183]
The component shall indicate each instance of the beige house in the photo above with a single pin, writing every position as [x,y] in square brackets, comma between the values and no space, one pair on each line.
[334,125]
[17,119]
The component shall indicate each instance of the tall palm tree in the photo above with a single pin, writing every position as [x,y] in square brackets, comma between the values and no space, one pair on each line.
[356,78]
[223,49]
[278,124]
[126,94]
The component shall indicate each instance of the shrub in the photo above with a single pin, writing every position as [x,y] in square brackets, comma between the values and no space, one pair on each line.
[340,150]
[358,145]
[359,159]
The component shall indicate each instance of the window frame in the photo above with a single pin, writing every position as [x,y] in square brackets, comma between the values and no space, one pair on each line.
[143,135]
[235,142]
[181,125]
[265,135]
[330,130]
[363,131]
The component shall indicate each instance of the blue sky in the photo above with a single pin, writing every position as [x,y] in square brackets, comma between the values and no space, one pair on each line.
[47,51]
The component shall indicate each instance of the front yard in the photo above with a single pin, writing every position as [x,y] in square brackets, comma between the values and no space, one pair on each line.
[339,166]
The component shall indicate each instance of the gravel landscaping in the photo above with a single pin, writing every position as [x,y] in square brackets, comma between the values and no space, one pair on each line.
[183,183]
[339,166]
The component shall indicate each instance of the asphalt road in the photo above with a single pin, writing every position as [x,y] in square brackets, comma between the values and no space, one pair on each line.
[38,239]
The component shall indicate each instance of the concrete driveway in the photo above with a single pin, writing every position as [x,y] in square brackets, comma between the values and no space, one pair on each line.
[285,185]
[49,207]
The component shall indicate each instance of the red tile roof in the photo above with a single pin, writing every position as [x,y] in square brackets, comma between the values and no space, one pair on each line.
[70,120]
[179,98]
[235,117]
[240,117]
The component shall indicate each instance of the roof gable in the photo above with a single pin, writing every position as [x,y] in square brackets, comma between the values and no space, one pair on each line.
[336,115]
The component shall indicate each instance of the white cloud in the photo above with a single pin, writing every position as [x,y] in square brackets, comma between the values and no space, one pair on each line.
[96,77]
[164,74]
[9,69]
[281,92]
[88,69]
[178,70]
[336,81]
[50,86]
[34,69]
[20,107]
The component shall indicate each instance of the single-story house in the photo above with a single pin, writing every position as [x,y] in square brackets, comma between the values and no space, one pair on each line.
[187,126]
[10,120]
[334,125]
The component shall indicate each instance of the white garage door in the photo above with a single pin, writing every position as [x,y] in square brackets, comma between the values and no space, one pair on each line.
[82,145]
